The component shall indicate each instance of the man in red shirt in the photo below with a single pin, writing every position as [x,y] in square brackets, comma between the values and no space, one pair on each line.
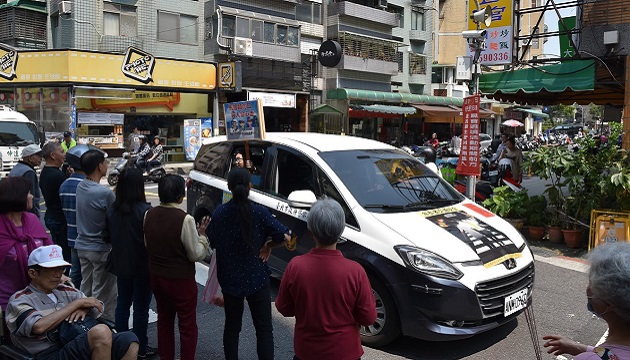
[329,295]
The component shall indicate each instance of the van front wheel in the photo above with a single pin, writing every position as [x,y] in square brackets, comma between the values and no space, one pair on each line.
[386,328]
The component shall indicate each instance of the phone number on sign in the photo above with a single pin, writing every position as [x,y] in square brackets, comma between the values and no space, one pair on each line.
[498,56]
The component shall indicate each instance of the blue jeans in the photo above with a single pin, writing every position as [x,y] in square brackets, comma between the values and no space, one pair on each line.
[141,164]
[260,307]
[75,270]
[153,163]
[136,291]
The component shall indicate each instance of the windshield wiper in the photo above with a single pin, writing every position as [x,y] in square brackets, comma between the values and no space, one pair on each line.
[385,207]
[430,203]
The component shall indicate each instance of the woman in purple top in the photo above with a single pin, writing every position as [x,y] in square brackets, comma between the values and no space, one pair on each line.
[20,233]
[608,297]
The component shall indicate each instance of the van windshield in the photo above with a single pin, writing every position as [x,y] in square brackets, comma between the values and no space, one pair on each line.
[13,133]
[389,180]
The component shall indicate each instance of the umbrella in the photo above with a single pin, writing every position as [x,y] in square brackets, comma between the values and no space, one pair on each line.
[512,123]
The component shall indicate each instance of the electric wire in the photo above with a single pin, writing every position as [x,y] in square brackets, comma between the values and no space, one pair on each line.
[533,331]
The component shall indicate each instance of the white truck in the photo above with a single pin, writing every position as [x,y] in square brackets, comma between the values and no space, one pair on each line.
[16,132]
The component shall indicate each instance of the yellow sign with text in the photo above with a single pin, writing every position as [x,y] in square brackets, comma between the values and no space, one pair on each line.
[140,98]
[501,12]
[135,69]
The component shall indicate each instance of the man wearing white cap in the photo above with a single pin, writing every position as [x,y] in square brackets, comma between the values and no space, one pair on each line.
[35,312]
[31,158]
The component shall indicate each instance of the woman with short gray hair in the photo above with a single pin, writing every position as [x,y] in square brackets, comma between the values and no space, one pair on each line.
[608,297]
[328,294]
[326,221]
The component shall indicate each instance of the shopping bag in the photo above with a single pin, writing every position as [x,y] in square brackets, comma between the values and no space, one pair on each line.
[212,293]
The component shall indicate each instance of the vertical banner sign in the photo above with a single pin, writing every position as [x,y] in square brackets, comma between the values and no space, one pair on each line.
[244,120]
[192,131]
[468,163]
[206,128]
[499,40]
[566,50]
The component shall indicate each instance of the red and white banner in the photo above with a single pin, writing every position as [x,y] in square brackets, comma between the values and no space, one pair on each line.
[468,163]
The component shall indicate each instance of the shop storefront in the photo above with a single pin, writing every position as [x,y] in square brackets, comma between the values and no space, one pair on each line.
[283,111]
[102,97]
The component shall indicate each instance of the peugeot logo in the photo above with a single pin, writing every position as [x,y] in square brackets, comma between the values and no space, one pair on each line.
[510,264]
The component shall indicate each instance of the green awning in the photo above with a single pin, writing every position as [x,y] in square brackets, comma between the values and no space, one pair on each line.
[39,6]
[386,109]
[576,75]
[325,109]
[391,97]
[536,113]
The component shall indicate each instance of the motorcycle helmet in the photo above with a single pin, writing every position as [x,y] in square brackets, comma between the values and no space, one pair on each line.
[142,139]
[73,156]
[428,153]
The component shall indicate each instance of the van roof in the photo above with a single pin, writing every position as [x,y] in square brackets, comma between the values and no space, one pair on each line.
[317,141]
[8,114]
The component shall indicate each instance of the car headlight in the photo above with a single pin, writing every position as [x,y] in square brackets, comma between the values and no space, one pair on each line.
[427,262]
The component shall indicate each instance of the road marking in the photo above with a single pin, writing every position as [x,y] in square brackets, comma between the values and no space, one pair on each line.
[578,265]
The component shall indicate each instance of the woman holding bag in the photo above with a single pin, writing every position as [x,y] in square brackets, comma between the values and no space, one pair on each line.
[239,231]
[129,258]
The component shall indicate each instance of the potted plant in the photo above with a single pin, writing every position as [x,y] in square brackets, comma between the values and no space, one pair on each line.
[508,204]
[536,216]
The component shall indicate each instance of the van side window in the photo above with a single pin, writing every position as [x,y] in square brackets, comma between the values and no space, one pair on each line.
[211,159]
[292,172]
[329,190]
[254,159]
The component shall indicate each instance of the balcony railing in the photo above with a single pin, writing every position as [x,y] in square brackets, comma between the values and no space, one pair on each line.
[363,12]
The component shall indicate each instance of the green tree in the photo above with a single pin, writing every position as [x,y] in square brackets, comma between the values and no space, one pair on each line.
[561,113]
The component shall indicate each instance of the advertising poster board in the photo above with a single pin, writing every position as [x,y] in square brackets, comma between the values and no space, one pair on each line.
[468,163]
[206,128]
[192,131]
[608,227]
[499,40]
[244,120]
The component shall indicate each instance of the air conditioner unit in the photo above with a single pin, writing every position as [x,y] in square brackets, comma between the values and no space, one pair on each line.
[65,7]
[243,46]
[382,4]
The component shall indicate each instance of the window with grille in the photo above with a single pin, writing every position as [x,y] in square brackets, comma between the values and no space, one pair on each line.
[120,20]
[417,64]
[177,28]
[368,48]
[399,59]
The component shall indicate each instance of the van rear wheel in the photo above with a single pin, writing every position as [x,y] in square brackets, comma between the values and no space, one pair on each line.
[386,328]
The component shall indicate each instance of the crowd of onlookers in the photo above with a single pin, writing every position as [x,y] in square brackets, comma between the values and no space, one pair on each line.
[62,291]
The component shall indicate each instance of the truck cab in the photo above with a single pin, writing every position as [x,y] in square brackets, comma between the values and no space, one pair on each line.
[16,132]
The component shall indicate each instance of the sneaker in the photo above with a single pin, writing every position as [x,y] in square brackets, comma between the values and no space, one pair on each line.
[151,352]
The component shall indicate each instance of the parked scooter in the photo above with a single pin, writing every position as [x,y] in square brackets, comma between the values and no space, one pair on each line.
[497,174]
[129,160]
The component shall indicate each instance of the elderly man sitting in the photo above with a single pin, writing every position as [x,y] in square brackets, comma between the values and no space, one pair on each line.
[33,314]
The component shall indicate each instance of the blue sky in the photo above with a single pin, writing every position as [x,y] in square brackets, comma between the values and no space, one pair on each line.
[552,47]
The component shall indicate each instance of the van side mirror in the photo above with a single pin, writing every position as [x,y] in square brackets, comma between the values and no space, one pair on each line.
[302,199]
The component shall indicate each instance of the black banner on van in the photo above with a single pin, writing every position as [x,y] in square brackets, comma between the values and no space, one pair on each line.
[492,246]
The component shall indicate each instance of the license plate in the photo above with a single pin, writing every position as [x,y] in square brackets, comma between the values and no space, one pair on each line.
[494,172]
[515,302]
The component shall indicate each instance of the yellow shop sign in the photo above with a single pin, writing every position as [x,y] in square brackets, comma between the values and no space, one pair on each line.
[134,69]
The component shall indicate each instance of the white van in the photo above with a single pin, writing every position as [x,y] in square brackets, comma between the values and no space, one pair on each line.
[440,266]
[16,132]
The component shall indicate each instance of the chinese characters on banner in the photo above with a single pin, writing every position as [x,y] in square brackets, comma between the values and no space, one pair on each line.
[499,40]
[468,163]
[244,120]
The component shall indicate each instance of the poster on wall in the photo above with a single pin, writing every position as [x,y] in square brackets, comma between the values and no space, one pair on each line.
[206,128]
[244,120]
[192,131]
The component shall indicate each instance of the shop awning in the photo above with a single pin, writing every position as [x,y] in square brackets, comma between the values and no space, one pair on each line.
[535,113]
[38,6]
[325,109]
[391,97]
[578,75]
[436,110]
[384,111]
[573,81]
